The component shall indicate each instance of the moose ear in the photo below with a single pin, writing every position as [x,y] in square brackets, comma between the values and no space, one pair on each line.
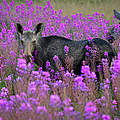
[117,14]
[38,28]
[19,28]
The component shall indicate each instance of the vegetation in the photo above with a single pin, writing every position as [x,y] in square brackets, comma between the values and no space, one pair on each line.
[28,92]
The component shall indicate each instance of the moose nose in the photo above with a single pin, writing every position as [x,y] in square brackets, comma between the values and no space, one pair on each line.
[28,58]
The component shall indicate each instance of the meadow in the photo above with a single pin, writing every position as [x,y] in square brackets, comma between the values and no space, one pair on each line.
[29,93]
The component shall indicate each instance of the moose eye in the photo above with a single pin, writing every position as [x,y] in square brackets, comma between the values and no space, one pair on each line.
[22,42]
[34,42]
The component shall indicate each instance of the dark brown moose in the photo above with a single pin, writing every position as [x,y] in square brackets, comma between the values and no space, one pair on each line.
[49,46]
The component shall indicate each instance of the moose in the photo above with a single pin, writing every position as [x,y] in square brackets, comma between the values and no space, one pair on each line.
[49,46]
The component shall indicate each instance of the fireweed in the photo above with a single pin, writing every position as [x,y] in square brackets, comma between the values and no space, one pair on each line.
[54,94]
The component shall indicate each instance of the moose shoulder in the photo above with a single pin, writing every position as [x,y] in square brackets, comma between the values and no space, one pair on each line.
[48,47]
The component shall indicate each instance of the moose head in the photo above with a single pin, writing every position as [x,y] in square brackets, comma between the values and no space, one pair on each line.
[29,40]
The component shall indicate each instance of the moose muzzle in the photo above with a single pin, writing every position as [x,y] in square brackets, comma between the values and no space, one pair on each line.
[28,52]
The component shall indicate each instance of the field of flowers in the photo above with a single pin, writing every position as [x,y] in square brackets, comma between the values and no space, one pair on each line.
[29,93]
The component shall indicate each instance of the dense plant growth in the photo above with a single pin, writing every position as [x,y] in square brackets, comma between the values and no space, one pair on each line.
[29,93]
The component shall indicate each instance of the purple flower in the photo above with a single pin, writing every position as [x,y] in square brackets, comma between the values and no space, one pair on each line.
[4,30]
[69,111]
[29,106]
[87,47]
[21,66]
[114,102]
[46,74]
[3,103]
[104,61]
[45,87]
[12,98]
[30,66]
[67,102]
[93,75]
[69,36]
[4,92]
[52,29]
[107,81]
[116,118]
[18,98]
[19,79]
[12,3]
[60,11]
[106,54]
[116,65]
[86,70]
[47,64]
[57,84]
[91,111]
[36,52]
[87,54]
[90,107]
[60,114]
[35,73]
[102,15]
[1,35]
[55,58]
[13,29]
[21,61]
[40,69]
[26,28]
[31,2]
[3,24]
[30,24]
[66,109]
[41,109]
[66,49]
[79,84]
[32,88]
[119,54]
[106,117]
[99,68]
[23,95]
[106,86]
[67,74]
[9,78]
[55,101]
[78,79]
[83,87]
[23,107]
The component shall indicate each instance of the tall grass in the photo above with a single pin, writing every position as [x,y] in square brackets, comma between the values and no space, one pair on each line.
[70,7]
[30,93]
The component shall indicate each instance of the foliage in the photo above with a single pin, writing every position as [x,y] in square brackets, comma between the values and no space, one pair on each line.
[47,94]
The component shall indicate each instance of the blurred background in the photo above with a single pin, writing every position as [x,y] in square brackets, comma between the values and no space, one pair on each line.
[86,7]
